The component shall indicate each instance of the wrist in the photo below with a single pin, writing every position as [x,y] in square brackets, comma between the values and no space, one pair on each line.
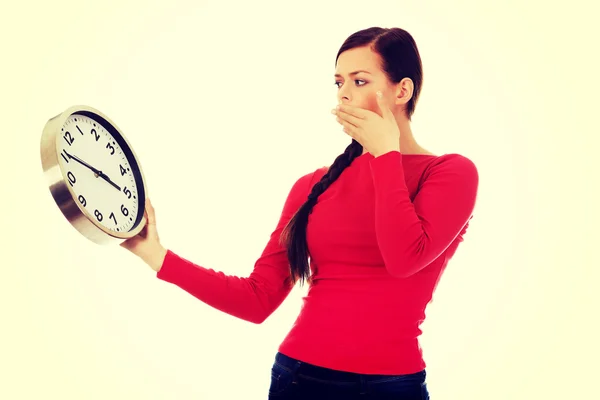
[156,257]
[386,151]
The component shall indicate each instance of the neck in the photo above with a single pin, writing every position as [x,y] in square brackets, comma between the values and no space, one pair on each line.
[408,144]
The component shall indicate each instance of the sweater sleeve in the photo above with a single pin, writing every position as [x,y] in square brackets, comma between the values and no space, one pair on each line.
[253,298]
[412,234]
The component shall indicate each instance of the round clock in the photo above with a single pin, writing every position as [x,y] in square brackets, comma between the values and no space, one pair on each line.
[94,175]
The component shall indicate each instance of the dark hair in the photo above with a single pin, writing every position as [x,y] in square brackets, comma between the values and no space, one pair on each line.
[400,59]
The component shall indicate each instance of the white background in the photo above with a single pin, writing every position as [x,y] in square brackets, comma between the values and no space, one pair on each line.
[227,104]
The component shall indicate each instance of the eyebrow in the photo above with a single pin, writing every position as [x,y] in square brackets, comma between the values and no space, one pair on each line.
[353,73]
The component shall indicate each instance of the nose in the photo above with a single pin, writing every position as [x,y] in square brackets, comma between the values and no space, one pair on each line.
[343,96]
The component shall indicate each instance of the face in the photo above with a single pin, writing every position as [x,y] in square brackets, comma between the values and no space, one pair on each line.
[358,77]
[103,177]
[359,88]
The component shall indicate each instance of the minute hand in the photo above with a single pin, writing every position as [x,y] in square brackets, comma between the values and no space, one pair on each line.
[96,171]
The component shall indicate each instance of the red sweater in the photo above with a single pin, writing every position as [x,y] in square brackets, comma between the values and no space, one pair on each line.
[380,237]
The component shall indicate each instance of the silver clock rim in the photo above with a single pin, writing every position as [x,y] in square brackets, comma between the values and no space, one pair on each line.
[61,191]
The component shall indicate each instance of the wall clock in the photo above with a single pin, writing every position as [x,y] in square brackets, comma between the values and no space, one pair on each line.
[94,175]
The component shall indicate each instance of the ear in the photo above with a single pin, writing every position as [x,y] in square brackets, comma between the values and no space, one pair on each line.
[404,91]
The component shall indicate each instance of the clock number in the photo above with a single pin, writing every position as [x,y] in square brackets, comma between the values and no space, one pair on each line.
[124,210]
[112,149]
[82,200]
[68,138]
[64,155]
[98,215]
[93,132]
[71,177]
[127,192]
[123,170]
[79,129]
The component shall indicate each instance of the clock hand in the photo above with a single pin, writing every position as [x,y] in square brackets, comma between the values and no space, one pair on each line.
[80,161]
[96,171]
[107,179]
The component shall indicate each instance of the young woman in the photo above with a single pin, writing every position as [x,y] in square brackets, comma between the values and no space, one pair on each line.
[371,234]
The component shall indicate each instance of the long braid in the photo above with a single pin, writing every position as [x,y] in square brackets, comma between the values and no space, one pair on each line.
[294,234]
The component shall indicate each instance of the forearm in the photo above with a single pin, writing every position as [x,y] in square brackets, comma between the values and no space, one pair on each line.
[413,233]
[251,298]
[400,234]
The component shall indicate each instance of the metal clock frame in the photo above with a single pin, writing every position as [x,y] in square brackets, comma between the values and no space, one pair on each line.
[61,190]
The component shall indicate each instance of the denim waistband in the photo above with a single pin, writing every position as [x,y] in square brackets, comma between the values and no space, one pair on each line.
[302,368]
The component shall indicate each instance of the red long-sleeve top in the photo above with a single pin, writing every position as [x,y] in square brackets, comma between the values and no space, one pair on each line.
[379,237]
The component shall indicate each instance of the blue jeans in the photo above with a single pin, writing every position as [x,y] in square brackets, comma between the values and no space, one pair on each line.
[295,380]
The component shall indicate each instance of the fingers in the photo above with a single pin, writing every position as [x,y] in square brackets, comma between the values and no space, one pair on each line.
[148,234]
[356,112]
[351,130]
[348,118]
[385,110]
[152,231]
[149,212]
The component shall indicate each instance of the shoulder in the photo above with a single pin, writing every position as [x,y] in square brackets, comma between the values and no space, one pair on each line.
[451,176]
[303,184]
[454,166]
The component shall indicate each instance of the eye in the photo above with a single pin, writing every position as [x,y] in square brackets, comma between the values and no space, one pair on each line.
[356,80]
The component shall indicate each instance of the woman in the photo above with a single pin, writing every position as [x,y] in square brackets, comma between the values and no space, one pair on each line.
[380,223]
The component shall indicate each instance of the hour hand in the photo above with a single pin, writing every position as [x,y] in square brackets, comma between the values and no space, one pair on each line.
[107,179]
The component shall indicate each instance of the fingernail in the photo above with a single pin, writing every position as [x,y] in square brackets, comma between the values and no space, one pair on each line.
[379,94]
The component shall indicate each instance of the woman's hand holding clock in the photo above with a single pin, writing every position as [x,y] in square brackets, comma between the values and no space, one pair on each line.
[146,244]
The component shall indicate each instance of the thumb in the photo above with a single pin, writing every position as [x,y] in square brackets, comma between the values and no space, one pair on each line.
[149,212]
[151,220]
[148,233]
[386,113]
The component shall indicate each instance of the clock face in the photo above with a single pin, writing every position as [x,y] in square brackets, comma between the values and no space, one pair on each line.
[102,172]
